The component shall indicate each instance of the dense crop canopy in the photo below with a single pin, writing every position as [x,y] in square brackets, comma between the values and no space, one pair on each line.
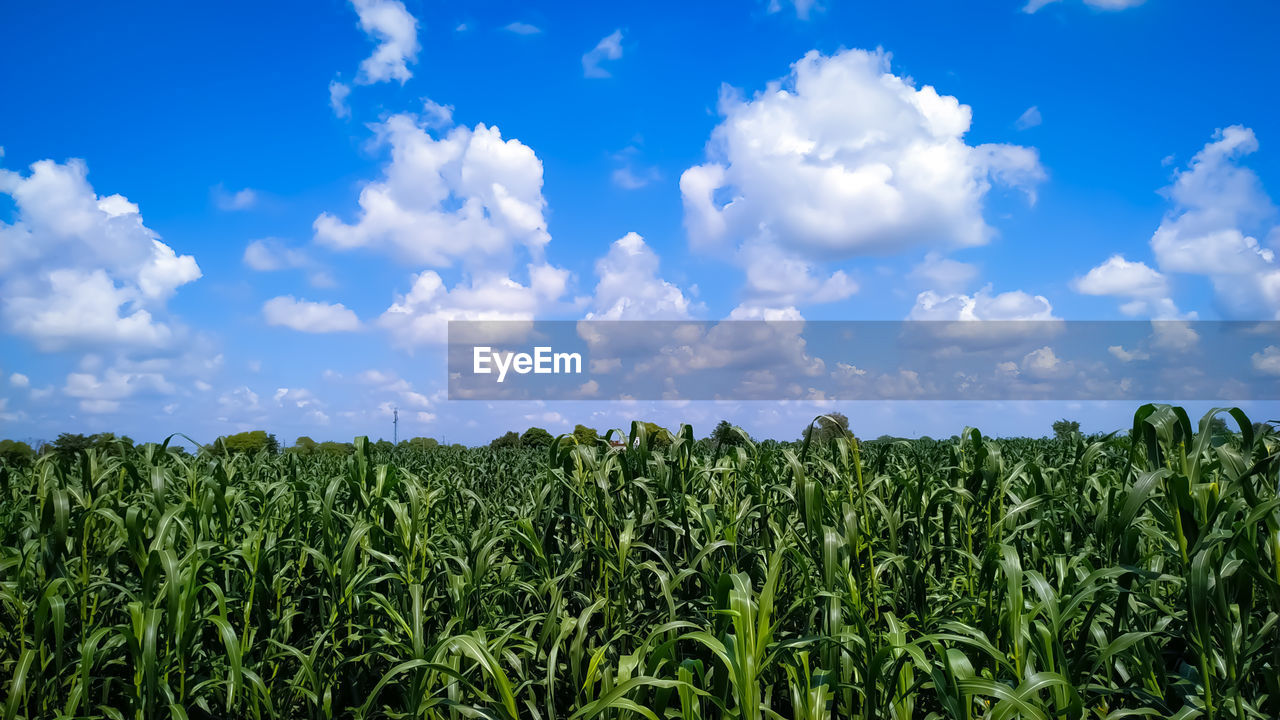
[1122,576]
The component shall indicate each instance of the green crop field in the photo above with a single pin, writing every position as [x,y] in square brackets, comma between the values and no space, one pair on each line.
[1133,575]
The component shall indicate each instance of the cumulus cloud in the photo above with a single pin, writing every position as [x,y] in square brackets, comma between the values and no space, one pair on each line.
[76,267]
[307,316]
[1218,209]
[630,287]
[1267,361]
[776,278]
[454,195]
[19,380]
[843,158]
[609,48]
[1146,289]
[1044,364]
[982,305]
[421,315]
[396,32]
[467,194]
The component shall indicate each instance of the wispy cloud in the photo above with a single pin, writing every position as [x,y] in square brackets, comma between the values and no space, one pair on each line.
[338,93]
[609,48]
[1034,5]
[1029,119]
[522,28]
[238,200]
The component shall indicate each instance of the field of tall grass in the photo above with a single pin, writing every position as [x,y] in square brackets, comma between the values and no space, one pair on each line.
[1133,575]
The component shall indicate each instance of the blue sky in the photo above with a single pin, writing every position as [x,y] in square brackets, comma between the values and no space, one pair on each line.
[935,159]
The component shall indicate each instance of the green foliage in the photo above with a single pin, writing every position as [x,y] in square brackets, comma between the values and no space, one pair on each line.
[420,443]
[536,437]
[335,449]
[510,439]
[659,437]
[585,435]
[827,427]
[16,453]
[1132,576]
[69,444]
[251,442]
[1064,429]
[725,435]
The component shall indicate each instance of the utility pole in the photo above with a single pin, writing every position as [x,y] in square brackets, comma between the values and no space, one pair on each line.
[395,424]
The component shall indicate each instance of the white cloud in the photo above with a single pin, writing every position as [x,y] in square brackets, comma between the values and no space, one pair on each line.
[454,195]
[1173,335]
[609,48]
[1012,305]
[630,174]
[421,315]
[102,394]
[1146,289]
[239,402]
[803,8]
[1034,5]
[1217,206]
[467,195]
[76,267]
[943,274]
[338,93]
[843,158]
[1044,364]
[99,407]
[777,278]
[1123,355]
[628,178]
[768,314]
[307,316]
[238,200]
[1118,276]
[19,380]
[1029,118]
[269,254]
[522,28]
[630,287]
[396,31]
[297,397]
[1267,361]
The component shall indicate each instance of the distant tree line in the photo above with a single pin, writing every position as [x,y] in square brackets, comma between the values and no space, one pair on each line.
[15,453]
